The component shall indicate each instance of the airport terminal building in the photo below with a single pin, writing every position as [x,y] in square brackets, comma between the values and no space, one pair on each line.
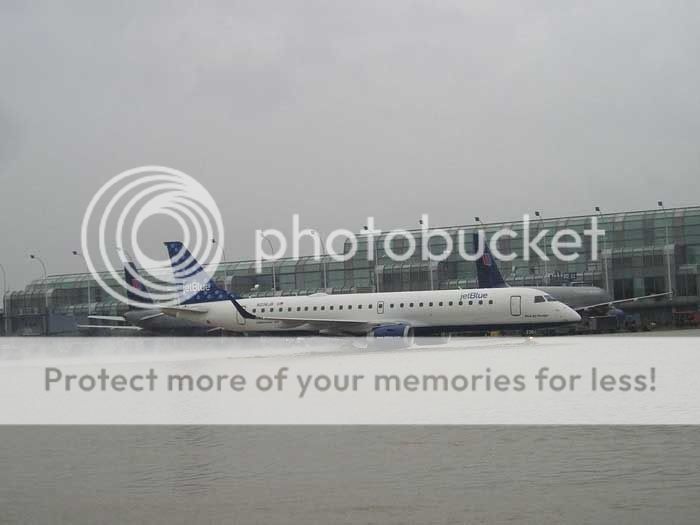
[642,252]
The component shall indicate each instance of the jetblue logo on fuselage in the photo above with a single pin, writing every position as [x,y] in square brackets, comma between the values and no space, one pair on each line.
[475,295]
[196,287]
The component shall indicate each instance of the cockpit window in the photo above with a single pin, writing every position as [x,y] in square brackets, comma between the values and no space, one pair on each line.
[550,299]
[539,298]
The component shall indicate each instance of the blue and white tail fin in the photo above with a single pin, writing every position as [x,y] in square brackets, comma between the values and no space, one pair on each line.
[137,292]
[194,283]
[487,272]
[196,286]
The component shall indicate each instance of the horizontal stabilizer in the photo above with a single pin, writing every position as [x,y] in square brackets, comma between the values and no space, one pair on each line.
[117,318]
[108,327]
[175,310]
[148,317]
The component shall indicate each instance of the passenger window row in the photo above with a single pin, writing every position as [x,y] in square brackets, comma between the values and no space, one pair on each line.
[369,306]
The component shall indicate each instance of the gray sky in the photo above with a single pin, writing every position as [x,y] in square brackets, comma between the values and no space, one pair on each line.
[339,111]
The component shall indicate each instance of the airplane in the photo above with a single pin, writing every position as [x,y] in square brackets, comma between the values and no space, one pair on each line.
[384,314]
[143,320]
[587,300]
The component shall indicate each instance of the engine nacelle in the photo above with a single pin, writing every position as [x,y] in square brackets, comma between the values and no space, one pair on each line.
[391,336]
[393,330]
[620,314]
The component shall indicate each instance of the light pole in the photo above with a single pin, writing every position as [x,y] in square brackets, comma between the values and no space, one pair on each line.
[539,215]
[514,272]
[667,249]
[4,305]
[46,293]
[605,259]
[223,255]
[274,278]
[89,298]
[365,230]
[323,249]
[430,263]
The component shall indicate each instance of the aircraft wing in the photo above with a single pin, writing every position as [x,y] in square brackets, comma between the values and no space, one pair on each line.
[619,301]
[331,325]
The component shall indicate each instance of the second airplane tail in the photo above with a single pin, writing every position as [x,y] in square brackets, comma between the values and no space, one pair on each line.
[131,276]
[487,272]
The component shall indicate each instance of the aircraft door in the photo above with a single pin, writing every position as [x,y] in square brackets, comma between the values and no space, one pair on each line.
[239,318]
[380,307]
[515,305]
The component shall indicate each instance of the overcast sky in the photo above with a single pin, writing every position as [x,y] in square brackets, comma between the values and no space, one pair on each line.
[339,111]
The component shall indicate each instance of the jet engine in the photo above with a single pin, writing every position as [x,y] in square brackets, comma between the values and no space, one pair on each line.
[391,336]
[393,330]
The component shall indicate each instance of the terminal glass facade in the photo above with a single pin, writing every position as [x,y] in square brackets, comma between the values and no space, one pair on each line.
[642,252]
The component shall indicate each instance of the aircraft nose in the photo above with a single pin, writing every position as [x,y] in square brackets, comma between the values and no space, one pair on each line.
[572,315]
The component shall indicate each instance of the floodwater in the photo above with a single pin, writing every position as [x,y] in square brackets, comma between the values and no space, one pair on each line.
[334,474]
[400,474]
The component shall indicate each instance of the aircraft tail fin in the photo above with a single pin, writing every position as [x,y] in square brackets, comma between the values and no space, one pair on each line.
[487,272]
[196,286]
[131,276]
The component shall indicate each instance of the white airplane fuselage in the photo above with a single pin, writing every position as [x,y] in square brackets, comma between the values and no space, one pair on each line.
[425,312]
